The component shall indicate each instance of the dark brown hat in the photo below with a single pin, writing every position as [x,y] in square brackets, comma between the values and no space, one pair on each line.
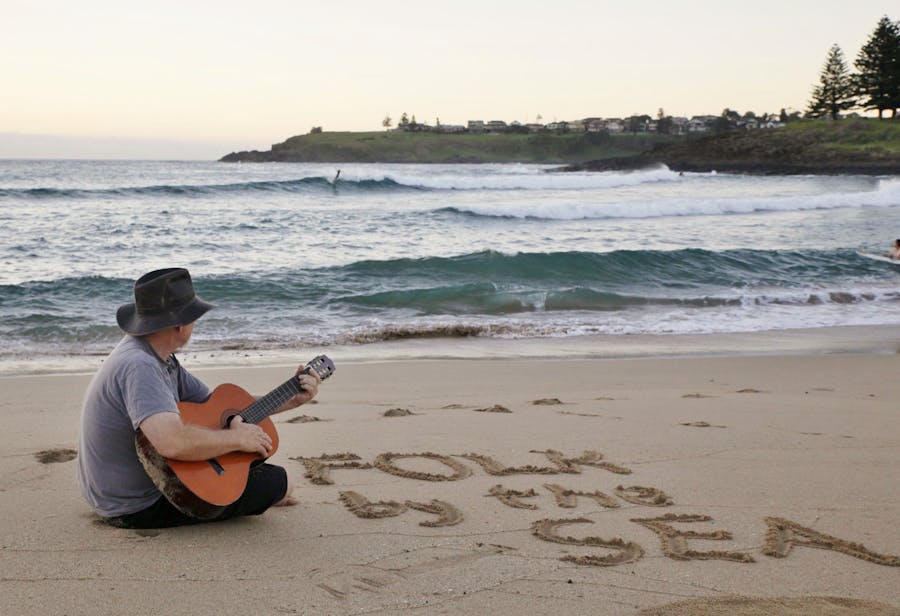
[162,298]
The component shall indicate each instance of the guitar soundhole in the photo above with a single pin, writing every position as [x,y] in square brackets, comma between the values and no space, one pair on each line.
[216,466]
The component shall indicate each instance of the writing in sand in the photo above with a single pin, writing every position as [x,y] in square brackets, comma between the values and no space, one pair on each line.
[781,534]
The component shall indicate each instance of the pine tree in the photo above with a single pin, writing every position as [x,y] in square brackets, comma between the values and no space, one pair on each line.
[836,90]
[878,63]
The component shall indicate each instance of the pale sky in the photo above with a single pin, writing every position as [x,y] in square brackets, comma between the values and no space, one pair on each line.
[200,78]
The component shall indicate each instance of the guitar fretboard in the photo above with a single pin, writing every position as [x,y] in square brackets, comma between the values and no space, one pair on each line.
[269,403]
[321,366]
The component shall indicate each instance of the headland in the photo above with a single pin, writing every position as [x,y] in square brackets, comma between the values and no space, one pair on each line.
[851,146]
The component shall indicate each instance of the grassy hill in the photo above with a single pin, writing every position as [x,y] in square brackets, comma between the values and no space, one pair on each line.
[808,146]
[408,147]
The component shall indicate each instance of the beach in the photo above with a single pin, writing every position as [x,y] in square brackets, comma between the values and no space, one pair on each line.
[506,485]
[623,393]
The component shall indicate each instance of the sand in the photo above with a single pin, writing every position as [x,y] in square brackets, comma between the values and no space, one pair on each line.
[717,485]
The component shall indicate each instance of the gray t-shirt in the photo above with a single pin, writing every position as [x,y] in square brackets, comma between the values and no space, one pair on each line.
[133,384]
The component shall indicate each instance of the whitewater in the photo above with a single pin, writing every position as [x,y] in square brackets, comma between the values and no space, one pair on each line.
[387,252]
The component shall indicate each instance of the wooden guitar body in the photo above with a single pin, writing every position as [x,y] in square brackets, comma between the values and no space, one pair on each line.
[203,488]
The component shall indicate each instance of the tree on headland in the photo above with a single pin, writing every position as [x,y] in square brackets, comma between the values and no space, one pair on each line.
[637,123]
[836,91]
[664,123]
[726,121]
[315,130]
[878,63]
[386,122]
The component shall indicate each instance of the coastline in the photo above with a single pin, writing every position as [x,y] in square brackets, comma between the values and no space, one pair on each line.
[872,339]
[642,162]
[432,486]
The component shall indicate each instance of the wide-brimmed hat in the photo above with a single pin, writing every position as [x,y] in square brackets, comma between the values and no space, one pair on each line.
[162,298]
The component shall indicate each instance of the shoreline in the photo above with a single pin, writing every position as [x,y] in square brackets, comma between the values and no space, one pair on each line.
[868,340]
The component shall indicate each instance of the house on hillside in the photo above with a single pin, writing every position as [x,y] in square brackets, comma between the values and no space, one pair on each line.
[476,126]
[594,125]
[701,124]
[615,126]
[496,126]
[450,128]
[679,125]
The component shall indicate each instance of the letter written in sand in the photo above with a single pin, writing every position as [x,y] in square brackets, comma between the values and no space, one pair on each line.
[588,458]
[447,514]
[385,462]
[362,507]
[674,541]
[569,498]
[782,535]
[639,495]
[512,498]
[318,469]
[625,551]
[492,467]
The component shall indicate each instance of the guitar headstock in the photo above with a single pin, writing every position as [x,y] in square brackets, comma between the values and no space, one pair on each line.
[322,366]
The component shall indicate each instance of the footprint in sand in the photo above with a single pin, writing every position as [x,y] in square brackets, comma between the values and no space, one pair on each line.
[697,395]
[305,419]
[702,424]
[398,412]
[497,408]
[453,406]
[749,390]
[547,402]
[52,456]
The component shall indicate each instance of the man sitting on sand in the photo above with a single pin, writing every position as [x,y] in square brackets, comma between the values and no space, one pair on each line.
[139,386]
[895,251]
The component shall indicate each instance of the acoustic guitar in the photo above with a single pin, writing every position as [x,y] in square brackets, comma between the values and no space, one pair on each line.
[202,489]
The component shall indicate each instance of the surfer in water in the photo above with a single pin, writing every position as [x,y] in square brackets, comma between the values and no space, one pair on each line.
[895,251]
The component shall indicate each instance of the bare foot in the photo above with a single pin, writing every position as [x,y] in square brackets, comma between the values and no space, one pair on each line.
[287,501]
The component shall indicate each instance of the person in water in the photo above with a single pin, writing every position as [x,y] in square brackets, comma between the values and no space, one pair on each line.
[895,251]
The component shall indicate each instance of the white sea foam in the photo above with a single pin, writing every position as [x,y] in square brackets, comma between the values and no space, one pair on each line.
[708,201]
[492,177]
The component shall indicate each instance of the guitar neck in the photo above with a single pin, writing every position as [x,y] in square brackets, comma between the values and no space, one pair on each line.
[271,402]
[321,366]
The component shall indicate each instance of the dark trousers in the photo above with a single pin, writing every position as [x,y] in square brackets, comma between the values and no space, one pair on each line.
[266,485]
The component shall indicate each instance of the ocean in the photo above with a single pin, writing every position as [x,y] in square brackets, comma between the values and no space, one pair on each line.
[296,260]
